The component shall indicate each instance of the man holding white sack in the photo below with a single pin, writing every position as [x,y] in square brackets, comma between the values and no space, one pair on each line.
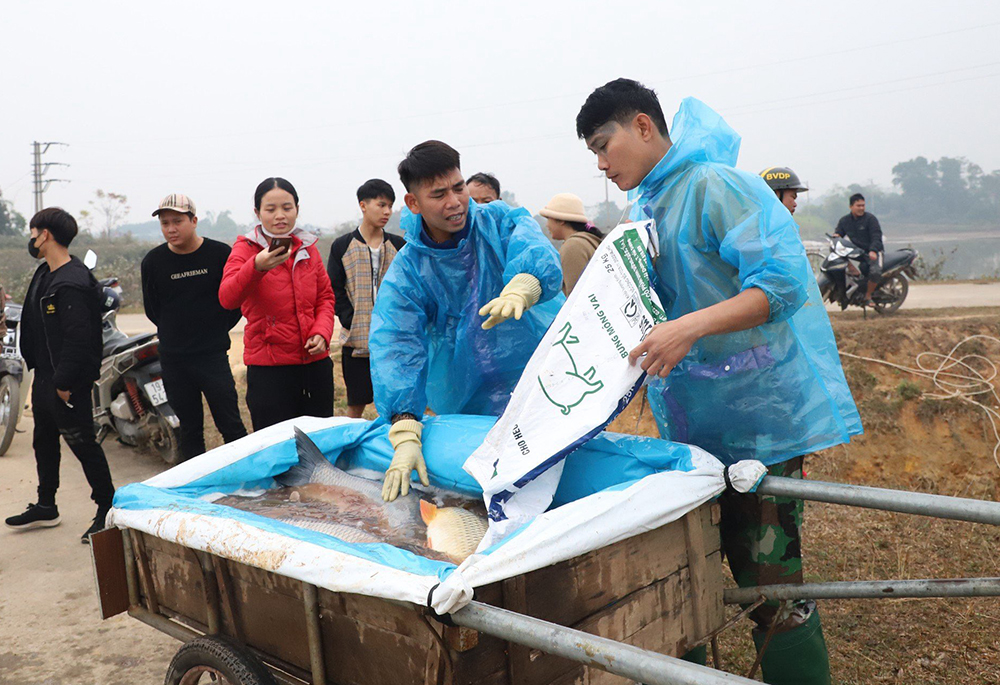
[746,366]
[460,310]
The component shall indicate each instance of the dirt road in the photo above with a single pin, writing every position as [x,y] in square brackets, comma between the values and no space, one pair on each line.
[946,296]
[938,296]
[50,629]
[921,296]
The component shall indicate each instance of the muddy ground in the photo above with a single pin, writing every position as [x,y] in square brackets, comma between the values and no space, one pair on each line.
[50,629]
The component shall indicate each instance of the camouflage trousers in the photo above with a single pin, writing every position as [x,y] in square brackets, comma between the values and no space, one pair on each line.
[760,538]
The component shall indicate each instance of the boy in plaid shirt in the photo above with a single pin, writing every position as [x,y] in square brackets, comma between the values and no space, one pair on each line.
[358,262]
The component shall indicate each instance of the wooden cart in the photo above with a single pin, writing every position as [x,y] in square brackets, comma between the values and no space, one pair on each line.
[660,591]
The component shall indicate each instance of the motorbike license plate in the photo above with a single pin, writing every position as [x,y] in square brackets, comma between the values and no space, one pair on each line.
[9,353]
[157,395]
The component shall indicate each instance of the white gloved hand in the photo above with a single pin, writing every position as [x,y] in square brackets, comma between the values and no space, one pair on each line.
[405,438]
[517,296]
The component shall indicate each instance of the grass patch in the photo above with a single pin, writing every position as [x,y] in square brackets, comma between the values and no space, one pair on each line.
[860,379]
[881,414]
[908,390]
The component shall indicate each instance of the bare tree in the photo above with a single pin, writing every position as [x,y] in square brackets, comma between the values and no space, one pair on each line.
[107,213]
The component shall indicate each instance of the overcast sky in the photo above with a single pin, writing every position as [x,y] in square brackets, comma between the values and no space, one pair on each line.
[209,98]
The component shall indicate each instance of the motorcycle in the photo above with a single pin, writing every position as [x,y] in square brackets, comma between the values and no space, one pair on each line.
[841,282]
[15,379]
[129,397]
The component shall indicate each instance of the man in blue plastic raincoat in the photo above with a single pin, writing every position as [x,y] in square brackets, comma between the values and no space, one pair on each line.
[462,261]
[746,367]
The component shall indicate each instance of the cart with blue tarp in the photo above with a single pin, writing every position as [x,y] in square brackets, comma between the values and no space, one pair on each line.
[621,573]
[619,576]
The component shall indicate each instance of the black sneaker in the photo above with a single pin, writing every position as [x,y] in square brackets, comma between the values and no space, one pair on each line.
[97,526]
[35,516]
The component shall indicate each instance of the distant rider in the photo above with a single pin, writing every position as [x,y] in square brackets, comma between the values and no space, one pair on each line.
[863,229]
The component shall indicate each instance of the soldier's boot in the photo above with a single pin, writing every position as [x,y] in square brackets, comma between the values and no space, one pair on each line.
[795,657]
[698,655]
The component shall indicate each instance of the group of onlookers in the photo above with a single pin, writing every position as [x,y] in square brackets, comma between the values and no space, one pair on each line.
[195,290]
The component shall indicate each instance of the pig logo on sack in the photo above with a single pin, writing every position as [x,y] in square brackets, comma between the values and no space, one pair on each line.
[564,385]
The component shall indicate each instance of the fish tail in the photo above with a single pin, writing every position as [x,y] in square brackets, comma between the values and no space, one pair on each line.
[427,511]
[309,458]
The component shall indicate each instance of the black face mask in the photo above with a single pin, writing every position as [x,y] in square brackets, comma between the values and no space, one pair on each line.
[32,249]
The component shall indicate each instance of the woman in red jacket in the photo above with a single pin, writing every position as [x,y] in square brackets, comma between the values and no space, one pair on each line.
[276,277]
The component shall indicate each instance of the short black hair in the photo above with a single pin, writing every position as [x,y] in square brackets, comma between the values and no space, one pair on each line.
[269,184]
[619,100]
[855,198]
[58,222]
[487,180]
[427,161]
[375,188]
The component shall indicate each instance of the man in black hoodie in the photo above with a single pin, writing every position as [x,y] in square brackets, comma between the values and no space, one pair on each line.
[61,340]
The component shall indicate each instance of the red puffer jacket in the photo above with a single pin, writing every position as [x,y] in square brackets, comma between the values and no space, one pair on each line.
[284,307]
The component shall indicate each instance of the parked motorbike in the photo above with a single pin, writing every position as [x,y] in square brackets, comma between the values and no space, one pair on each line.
[840,279]
[129,397]
[15,379]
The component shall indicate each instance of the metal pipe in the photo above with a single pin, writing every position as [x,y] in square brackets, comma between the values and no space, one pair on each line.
[902,501]
[310,596]
[614,657]
[868,589]
[163,624]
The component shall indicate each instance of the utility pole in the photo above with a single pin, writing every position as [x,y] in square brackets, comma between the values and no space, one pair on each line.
[39,169]
[605,177]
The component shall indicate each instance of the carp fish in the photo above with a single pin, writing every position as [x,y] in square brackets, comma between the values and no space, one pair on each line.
[333,529]
[314,468]
[453,531]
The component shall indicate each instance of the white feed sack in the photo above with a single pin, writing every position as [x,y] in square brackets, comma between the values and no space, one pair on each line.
[576,382]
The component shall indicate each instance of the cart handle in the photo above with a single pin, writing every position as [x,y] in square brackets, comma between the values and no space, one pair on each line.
[614,657]
[901,501]
[868,589]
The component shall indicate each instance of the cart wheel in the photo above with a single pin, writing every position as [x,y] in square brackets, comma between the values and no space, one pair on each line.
[216,660]
[167,443]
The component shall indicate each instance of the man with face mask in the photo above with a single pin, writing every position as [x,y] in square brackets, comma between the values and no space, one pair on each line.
[61,341]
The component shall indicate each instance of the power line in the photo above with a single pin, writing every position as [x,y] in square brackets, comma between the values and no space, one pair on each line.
[300,165]
[865,95]
[868,85]
[549,98]
[788,60]
[307,164]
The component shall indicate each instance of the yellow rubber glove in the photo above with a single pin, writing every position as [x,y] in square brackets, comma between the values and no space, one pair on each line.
[520,294]
[405,438]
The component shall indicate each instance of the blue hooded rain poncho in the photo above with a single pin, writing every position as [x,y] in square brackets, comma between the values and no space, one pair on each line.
[427,344]
[772,392]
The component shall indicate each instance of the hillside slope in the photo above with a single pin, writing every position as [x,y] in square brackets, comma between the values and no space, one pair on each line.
[909,443]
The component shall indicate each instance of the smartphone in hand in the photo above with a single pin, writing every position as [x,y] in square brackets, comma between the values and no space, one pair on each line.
[280,244]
